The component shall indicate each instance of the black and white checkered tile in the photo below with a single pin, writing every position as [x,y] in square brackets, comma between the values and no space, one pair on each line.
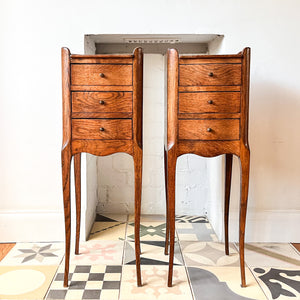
[87,282]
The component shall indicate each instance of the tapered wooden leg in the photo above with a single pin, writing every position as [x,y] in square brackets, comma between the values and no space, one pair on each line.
[138,161]
[228,171]
[66,162]
[171,161]
[77,172]
[245,164]
[167,206]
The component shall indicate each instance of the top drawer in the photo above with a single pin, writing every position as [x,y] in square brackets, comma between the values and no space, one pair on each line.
[101,74]
[210,74]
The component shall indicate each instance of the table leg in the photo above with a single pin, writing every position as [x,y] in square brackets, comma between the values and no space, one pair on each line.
[77,175]
[245,164]
[66,163]
[138,162]
[167,206]
[171,161]
[228,172]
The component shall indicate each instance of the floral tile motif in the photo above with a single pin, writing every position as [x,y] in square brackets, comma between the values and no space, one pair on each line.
[87,282]
[223,283]
[108,231]
[35,254]
[209,254]
[150,231]
[271,255]
[278,283]
[196,232]
[152,253]
[99,253]
[154,280]
[111,218]
[25,282]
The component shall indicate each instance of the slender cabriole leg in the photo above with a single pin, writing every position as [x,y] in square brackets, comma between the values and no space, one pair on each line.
[228,172]
[167,206]
[66,162]
[138,161]
[245,164]
[77,172]
[171,161]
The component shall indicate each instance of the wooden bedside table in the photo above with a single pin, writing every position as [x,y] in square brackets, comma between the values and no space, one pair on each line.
[207,114]
[102,115]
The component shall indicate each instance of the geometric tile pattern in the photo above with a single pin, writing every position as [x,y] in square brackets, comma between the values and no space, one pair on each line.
[87,282]
[208,254]
[279,283]
[25,282]
[35,254]
[152,253]
[105,267]
[196,232]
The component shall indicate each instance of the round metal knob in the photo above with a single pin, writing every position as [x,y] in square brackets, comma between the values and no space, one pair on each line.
[208,129]
[211,74]
[101,75]
[210,102]
[101,102]
[101,129]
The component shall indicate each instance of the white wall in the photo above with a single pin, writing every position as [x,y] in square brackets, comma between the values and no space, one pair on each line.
[32,33]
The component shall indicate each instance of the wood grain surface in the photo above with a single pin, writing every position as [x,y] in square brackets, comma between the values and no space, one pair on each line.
[113,129]
[101,102]
[89,74]
[223,74]
[210,102]
[224,129]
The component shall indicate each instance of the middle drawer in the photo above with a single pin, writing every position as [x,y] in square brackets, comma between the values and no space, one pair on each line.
[209,102]
[101,129]
[101,102]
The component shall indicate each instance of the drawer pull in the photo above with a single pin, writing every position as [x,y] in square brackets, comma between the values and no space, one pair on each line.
[210,102]
[101,102]
[101,129]
[101,75]
[211,74]
[209,129]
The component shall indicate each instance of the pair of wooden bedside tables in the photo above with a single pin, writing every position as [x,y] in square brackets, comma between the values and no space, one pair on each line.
[206,114]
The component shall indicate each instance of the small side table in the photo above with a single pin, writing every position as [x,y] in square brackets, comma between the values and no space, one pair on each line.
[102,115]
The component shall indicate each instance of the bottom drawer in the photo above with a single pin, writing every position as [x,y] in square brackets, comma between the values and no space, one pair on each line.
[210,130]
[101,129]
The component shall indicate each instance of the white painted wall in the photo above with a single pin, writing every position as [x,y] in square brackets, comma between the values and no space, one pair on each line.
[32,33]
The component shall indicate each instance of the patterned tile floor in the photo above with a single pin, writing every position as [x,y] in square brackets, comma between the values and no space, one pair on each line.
[105,267]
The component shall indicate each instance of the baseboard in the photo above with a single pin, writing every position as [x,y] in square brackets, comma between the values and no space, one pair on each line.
[279,226]
[31,226]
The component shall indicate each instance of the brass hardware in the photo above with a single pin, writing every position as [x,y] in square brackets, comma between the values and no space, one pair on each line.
[211,74]
[210,102]
[209,129]
[101,102]
[101,75]
[101,129]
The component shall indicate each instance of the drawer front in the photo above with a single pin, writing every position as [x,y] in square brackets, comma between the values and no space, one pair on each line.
[101,102]
[101,74]
[210,74]
[210,130]
[209,102]
[101,129]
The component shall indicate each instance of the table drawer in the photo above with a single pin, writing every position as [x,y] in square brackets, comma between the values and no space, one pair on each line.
[209,102]
[101,74]
[90,102]
[210,74]
[207,129]
[102,129]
